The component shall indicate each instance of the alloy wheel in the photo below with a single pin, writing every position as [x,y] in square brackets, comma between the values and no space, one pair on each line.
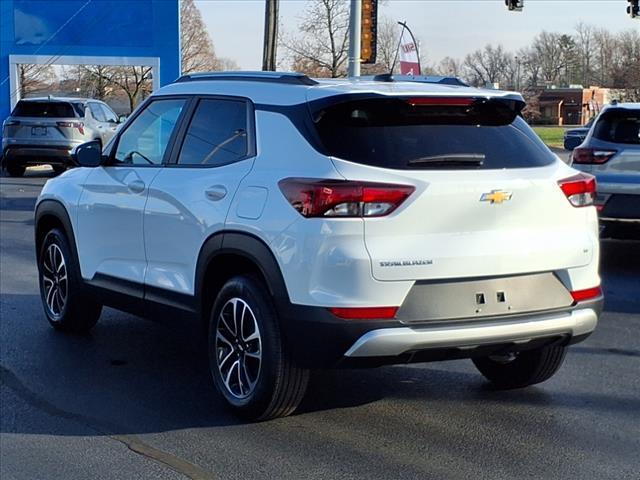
[238,348]
[55,281]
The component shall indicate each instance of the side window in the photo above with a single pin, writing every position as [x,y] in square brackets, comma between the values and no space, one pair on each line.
[109,115]
[145,140]
[79,108]
[96,112]
[217,133]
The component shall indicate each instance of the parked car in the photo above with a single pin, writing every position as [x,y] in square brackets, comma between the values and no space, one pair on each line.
[44,131]
[611,152]
[330,223]
[575,136]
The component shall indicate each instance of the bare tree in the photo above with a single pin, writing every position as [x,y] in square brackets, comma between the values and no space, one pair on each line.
[225,63]
[198,54]
[320,48]
[585,46]
[95,81]
[34,78]
[134,81]
[530,67]
[606,55]
[449,67]
[626,73]
[557,56]
[487,66]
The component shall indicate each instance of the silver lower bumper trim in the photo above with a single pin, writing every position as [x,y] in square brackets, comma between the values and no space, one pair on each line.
[398,340]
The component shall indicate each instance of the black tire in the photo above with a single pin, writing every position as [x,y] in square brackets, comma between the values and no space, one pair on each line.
[16,170]
[278,383]
[526,368]
[69,308]
[58,169]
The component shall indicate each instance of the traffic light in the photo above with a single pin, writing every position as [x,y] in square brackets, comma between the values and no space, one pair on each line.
[634,8]
[368,36]
[514,5]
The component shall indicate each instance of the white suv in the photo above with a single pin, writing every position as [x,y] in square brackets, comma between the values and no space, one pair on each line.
[328,223]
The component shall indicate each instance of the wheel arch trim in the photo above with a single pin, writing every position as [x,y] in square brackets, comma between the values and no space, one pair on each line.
[54,208]
[252,248]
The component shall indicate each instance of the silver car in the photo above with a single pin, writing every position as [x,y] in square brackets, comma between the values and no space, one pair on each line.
[44,131]
[611,152]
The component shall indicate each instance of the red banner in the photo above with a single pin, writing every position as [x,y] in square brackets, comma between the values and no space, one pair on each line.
[409,60]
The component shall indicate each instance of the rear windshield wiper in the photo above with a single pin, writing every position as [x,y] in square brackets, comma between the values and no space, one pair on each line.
[466,159]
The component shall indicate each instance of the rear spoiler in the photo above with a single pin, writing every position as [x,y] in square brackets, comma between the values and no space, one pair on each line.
[481,110]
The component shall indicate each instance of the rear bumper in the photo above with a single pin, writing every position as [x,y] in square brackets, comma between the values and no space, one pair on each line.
[620,228]
[621,206]
[37,155]
[317,339]
[397,341]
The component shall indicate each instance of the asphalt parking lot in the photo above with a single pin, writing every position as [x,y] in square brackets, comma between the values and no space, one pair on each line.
[133,399]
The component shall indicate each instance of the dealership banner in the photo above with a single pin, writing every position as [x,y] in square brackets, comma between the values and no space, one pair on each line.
[409,58]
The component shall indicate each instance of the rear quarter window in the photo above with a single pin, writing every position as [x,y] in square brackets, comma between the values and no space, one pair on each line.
[394,133]
[619,126]
[44,110]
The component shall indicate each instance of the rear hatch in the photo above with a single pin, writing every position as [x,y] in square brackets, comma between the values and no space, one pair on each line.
[45,122]
[486,200]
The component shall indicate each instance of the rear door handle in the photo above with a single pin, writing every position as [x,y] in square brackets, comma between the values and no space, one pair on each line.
[136,186]
[215,193]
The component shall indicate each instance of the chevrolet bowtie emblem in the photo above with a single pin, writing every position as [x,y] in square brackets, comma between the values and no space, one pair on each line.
[496,196]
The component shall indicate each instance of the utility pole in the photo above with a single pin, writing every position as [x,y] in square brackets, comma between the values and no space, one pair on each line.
[270,35]
[355,30]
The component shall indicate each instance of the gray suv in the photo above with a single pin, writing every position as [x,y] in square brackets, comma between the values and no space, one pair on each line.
[611,152]
[44,131]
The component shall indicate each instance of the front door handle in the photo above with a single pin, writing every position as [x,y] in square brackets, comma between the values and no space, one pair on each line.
[136,186]
[215,193]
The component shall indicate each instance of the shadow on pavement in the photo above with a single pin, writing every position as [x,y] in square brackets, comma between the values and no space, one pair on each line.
[15,204]
[135,376]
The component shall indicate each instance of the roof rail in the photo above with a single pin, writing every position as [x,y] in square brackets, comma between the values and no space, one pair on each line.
[291,78]
[387,77]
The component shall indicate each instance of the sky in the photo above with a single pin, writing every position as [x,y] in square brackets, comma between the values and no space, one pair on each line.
[444,27]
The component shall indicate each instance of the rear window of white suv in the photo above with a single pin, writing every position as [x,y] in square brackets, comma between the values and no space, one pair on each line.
[438,133]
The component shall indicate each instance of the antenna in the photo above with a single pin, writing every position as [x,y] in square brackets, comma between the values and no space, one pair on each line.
[395,59]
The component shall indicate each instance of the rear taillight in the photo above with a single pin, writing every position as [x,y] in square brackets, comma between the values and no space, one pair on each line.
[366,313]
[592,156]
[579,189]
[343,199]
[587,294]
[11,123]
[78,125]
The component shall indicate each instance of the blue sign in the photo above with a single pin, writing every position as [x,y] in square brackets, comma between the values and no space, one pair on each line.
[128,32]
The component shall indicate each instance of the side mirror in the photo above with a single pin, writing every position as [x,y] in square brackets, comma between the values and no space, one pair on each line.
[122,118]
[88,154]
